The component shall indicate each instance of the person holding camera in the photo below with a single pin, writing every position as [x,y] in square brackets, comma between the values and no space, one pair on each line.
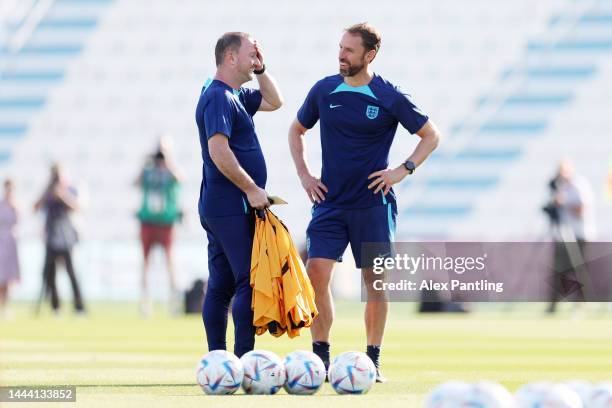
[58,201]
[159,211]
[572,225]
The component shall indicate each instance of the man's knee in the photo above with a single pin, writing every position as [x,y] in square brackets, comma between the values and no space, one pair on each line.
[377,296]
[371,291]
[319,272]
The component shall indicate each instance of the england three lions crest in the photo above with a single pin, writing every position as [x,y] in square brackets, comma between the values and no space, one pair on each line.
[372,112]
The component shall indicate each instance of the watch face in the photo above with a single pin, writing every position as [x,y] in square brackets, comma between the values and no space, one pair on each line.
[409,166]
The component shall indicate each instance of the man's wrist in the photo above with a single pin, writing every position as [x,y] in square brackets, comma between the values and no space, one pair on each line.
[260,71]
[251,188]
[304,172]
[403,171]
[409,166]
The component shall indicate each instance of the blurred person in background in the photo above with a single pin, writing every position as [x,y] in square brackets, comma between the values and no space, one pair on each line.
[9,262]
[58,201]
[159,182]
[572,223]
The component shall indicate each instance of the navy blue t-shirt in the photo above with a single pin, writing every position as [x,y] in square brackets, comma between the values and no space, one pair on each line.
[357,128]
[224,110]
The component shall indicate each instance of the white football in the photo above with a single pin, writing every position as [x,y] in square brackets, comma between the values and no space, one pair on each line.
[448,395]
[582,388]
[547,395]
[488,394]
[601,396]
[352,372]
[305,373]
[264,372]
[219,372]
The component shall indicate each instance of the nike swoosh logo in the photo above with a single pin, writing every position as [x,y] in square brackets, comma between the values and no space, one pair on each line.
[333,106]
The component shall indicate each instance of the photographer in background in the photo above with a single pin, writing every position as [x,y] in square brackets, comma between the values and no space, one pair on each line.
[58,201]
[159,211]
[570,214]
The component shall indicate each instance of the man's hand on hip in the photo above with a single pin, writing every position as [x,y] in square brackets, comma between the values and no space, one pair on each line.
[314,188]
[385,179]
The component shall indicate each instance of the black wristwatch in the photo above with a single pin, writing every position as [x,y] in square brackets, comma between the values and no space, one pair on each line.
[260,71]
[408,165]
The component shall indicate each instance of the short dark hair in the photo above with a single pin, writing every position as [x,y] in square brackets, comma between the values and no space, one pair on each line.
[370,37]
[228,41]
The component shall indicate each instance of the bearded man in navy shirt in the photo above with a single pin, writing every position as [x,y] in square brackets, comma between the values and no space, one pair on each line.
[354,201]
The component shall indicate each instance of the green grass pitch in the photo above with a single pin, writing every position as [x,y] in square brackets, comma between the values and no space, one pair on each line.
[118,360]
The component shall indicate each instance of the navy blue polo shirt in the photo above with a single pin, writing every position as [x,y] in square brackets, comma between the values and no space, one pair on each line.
[224,110]
[358,125]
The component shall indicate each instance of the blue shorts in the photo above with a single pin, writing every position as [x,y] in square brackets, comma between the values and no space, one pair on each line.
[332,229]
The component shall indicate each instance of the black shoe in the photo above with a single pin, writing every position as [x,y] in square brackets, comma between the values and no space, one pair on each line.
[379,377]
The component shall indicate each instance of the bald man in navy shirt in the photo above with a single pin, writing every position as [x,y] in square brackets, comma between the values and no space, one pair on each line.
[233,183]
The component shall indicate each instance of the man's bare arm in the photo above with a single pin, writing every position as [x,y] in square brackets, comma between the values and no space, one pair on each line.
[226,162]
[386,178]
[430,138]
[271,98]
[313,186]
